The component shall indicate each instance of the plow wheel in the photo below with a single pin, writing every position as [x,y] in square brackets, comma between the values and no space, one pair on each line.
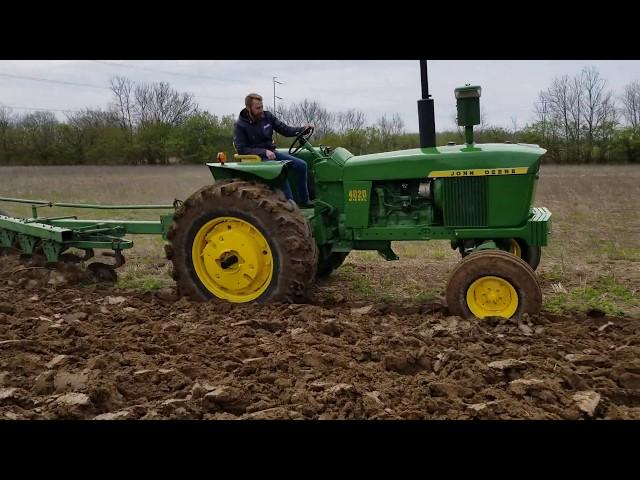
[493,283]
[103,272]
[242,242]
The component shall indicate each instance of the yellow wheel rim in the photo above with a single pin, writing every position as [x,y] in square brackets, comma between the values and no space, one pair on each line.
[232,259]
[492,296]
[515,248]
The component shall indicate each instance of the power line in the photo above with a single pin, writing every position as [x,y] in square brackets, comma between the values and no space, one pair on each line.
[191,75]
[78,84]
[88,85]
[212,98]
[48,80]
[167,72]
[40,109]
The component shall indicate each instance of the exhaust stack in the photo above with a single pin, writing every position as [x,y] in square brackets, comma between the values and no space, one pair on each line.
[426,116]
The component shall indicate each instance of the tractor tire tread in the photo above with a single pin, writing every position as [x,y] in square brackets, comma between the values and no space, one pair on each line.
[284,225]
[486,262]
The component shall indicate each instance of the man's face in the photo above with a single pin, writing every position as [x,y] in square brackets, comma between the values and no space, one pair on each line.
[257,110]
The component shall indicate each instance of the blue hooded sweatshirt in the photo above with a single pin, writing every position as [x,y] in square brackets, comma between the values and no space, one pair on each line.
[255,137]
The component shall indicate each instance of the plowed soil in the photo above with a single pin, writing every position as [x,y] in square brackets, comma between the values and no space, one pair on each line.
[70,349]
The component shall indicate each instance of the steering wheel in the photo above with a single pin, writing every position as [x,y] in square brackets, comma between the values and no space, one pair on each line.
[300,140]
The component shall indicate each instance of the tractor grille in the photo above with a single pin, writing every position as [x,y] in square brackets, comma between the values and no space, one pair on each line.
[465,202]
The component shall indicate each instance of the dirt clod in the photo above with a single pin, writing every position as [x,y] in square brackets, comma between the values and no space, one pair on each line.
[96,354]
[587,401]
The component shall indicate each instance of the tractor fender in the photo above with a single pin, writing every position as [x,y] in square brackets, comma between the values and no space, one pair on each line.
[268,170]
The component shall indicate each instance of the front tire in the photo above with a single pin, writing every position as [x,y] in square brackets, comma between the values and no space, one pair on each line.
[493,283]
[242,242]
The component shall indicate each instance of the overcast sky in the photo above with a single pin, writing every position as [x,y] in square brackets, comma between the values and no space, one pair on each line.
[377,87]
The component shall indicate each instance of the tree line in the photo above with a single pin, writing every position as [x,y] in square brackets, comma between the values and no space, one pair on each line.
[577,119]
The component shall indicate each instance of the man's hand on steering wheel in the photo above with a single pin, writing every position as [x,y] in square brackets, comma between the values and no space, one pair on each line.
[301,139]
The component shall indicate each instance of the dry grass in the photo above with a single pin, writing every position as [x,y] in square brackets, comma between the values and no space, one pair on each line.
[594,252]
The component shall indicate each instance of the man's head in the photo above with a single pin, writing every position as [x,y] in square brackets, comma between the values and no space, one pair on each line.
[253,102]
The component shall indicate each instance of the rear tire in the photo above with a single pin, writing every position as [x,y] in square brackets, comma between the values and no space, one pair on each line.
[493,283]
[269,255]
[529,253]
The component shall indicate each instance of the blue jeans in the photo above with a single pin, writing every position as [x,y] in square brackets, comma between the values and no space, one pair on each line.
[299,168]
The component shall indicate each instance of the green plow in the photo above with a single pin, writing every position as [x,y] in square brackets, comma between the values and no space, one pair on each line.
[52,236]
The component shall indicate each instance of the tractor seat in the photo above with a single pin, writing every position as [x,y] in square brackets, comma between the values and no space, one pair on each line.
[245,158]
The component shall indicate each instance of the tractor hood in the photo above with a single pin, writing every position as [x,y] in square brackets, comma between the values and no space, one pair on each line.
[444,161]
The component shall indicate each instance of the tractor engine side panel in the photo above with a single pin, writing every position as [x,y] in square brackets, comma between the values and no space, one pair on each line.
[357,203]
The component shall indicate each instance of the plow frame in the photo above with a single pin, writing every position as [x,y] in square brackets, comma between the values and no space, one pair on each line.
[57,234]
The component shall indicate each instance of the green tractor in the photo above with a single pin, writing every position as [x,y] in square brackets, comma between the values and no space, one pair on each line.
[240,240]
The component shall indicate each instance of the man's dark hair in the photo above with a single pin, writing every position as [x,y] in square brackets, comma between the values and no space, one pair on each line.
[249,98]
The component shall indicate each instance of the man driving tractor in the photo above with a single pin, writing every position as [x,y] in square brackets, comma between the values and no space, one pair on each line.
[253,135]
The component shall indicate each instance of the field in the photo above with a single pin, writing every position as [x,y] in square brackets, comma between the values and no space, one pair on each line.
[374,342]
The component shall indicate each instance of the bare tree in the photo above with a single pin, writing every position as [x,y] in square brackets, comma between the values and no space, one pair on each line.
[631,104]
[143,97]
[542,114]
[574,107]
[389,130]
[122,89]
[389,127]
[608,120]
[350,120]
[593,102]
[557,101]
[459,129]
[6,121]
[514,128]
[578,113]
[483,122]
[142,103]
[40,129]
[90,118]
[169,106]
[306,112]
[86,125]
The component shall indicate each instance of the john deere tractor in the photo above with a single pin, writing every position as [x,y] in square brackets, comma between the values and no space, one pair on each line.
[240,240]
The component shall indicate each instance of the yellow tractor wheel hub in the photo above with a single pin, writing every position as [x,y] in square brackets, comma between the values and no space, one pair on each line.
[492,296]
[232,259]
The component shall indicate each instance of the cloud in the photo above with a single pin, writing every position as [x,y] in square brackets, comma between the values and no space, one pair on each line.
[509,88]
